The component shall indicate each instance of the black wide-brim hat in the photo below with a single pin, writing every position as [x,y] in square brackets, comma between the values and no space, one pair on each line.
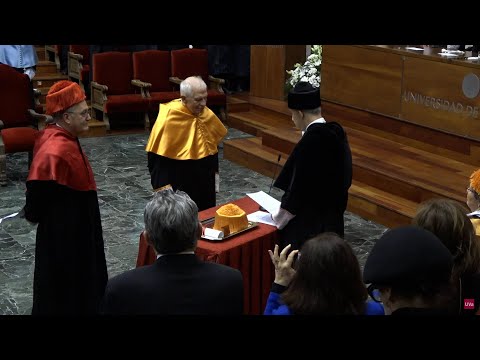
[304,96]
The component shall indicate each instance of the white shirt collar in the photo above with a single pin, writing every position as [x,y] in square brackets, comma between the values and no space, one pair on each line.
[180,253]
[475,213]
[318,121]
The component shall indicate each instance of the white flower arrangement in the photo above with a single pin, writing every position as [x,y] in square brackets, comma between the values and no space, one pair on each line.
[309,71]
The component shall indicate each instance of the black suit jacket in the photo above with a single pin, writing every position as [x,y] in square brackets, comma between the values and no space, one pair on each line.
[176,285]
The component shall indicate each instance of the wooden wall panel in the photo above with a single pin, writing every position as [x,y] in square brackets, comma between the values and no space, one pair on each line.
[432,96]
[268,65]
[362,78]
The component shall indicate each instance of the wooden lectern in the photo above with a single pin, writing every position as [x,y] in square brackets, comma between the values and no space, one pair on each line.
[268,66]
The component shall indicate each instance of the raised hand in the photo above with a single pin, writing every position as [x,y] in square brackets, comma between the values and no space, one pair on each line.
[283,264]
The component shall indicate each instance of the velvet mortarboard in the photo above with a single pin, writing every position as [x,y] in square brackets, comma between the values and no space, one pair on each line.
[62,95]
[304,96]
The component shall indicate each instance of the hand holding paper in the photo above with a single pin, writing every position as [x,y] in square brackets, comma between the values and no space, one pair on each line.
[281,218]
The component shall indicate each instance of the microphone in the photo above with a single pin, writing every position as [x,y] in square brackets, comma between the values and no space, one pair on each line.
[273,179]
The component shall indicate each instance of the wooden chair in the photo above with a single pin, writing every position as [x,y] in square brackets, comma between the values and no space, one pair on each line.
[113,89]
[79,66]
[18,129]
[194,62]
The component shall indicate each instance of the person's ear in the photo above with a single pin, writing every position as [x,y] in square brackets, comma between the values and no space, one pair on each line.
[66,118]
[147,238]
[199,230]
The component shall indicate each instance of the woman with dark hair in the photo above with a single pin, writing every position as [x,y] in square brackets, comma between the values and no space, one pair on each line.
[447,219]
[325,280]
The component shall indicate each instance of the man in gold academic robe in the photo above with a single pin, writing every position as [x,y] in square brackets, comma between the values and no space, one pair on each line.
[183,145]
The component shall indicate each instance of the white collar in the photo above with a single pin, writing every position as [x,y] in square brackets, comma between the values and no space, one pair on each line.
[475,213]
[180,253]
[318,121]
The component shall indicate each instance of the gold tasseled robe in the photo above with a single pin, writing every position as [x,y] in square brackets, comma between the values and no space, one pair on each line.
[183,151]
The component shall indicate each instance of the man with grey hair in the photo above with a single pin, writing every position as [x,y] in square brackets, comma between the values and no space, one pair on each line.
[178,283]
[183,145]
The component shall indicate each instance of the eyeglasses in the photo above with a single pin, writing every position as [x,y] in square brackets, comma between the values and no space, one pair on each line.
[83,113]
[374,293]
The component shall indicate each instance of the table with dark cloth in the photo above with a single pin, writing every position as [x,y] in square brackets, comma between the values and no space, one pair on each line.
[247,252]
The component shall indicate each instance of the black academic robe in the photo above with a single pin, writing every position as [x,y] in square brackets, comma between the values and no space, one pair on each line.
[316,179]
[70,269]
[195,177]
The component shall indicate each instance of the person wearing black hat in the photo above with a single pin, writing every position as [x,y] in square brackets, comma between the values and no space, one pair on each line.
[409,271]
[317,175]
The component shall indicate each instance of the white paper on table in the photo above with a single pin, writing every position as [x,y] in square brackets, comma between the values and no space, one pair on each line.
[414,48]
[8,216]
[269,203]
[261,217]
[213,234]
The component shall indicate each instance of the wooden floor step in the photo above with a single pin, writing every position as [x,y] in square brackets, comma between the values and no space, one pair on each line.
[95,128]
[47,80]
[250,152]
[281,139]
[409,172]
[253,121]
[40,49]
[46,67]
[435,141]
[406,171]
[380,206]
[235,104]
[364,200]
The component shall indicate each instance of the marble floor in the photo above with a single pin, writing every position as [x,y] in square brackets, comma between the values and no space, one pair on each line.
[120,168]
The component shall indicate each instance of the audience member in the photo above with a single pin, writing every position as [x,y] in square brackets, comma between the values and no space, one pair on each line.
[326,280]
[70,268]
[409,271]
[447,220]
[317,174]
[183,145]
[473,200]
[178,282]
[21,57]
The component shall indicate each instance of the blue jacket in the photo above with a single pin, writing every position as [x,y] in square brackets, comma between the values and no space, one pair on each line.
[275,305]
[18,56]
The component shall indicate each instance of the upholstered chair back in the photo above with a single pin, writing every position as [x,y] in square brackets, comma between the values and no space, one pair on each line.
[15,97]
[190,62]
[115,70]
[153,66]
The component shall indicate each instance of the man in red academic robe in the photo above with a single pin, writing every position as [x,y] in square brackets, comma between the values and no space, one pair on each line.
[70,268]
